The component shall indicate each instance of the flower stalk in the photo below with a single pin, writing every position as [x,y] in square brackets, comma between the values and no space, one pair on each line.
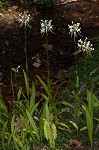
[47,27]
[24,20]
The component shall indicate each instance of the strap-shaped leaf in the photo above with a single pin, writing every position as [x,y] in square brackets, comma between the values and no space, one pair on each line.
[12,125]
[33,124]
[45,86]
[19,94]
[89,120]
[26,83]
[32,98]
[67,104]
[3,133]
[2,105]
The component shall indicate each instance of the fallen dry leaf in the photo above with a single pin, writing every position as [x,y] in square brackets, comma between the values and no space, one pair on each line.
[17,124]
[74,142]
[37,62]
[49,47]
[66,145]
[36,118]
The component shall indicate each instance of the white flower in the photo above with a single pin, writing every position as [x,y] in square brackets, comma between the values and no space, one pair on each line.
[85,47]
[24,18]
[46,26]
[16,70]
[74,29]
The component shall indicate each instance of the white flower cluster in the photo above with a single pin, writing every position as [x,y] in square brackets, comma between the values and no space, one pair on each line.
[46,26]
[74,29]
[24,18]
[85,46]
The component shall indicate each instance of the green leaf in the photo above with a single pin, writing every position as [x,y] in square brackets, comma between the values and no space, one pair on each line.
[54,131]
[34,108]
[74,124]
[17,142]
[67,104]
[3,106]
[95,79]
[19,94]
[96,119]
[89,121]
[26,83]
[95,98]
[45,86]
[47,113]
[83,128]
[48,132]
[56,92]
[90,102]
[64,125]
[45,97]
[32,98]
[77,82]
[41,126]
[3,133]
[33,124]
[9,139]
[12,125]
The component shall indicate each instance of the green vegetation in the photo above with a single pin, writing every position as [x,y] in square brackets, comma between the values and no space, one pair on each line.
[1,4]
[46,3]
[58,116]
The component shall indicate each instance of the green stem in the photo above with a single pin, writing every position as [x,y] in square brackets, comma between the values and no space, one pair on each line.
[48,61]
[86,75]
[77,89]
[25,49]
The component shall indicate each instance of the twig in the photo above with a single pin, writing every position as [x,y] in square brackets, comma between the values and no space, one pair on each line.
[91,10]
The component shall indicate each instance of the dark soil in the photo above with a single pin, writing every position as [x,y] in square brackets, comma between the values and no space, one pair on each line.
[61,55]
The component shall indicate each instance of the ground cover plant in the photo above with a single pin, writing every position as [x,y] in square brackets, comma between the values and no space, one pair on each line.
[59,116]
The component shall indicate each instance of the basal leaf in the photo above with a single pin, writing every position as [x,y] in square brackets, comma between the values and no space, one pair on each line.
[33,123]
[32,98]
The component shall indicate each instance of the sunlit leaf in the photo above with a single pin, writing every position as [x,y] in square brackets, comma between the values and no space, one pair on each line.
[54,131]
[64,125]
[74,124]
[83,128]
[12,125]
